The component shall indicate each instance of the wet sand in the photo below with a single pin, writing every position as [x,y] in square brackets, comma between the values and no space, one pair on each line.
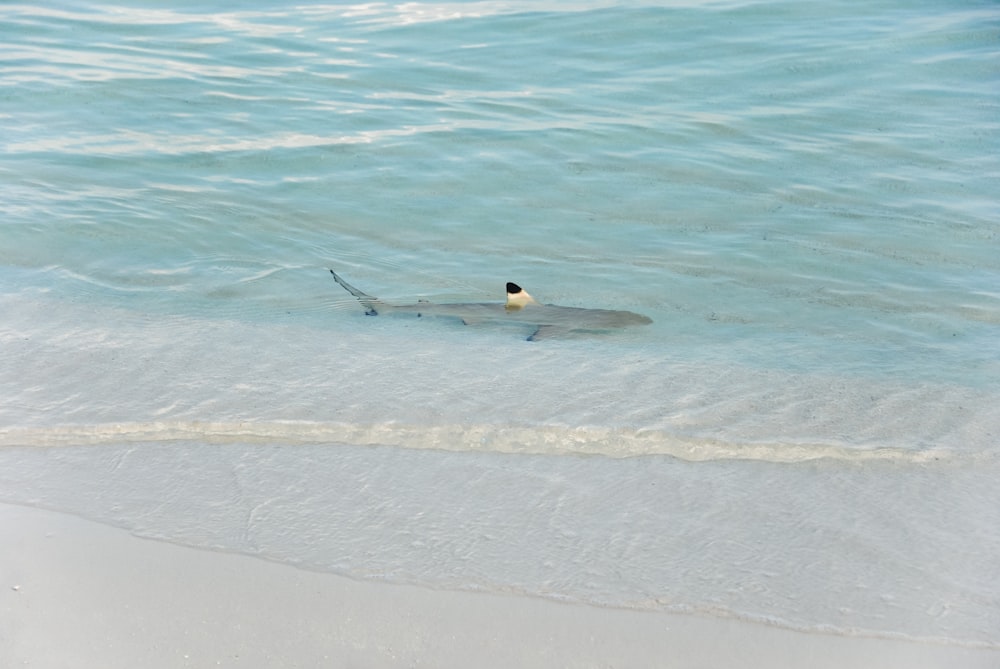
[82,594]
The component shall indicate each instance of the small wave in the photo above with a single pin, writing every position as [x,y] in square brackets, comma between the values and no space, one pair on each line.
[534,440]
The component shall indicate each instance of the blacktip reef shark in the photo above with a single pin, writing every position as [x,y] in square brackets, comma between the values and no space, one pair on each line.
[546,320]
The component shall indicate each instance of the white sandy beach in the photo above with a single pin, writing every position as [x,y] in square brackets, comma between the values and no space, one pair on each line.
[80,594]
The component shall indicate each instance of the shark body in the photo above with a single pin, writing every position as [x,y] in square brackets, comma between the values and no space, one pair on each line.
[545,320]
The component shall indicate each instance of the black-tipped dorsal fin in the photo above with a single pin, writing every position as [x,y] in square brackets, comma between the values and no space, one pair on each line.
[518,297]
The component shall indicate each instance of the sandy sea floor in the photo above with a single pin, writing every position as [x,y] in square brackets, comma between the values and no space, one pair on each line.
[81,594]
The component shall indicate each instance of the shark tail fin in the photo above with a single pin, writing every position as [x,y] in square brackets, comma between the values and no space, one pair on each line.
[371,304]
[518,297]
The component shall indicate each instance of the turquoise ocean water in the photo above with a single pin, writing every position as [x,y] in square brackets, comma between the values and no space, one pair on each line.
[804,197]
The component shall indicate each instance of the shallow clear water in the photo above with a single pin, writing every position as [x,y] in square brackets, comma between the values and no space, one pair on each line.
[802,197]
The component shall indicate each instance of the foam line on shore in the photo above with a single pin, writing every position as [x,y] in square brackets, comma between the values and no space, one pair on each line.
[535,440]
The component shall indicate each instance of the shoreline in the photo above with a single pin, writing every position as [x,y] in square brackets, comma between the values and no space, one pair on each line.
[79,593]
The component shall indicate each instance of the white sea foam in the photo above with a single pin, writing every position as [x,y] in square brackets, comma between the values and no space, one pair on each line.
[494,438]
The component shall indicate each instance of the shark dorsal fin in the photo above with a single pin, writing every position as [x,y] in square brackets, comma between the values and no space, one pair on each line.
[517,297]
